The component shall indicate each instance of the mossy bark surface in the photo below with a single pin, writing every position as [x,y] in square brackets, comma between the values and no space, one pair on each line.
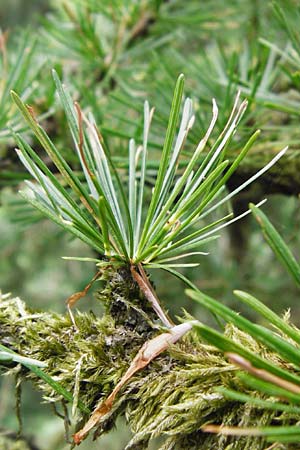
[8,442]
[173,397]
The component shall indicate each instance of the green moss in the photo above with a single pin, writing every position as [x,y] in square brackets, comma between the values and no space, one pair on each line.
[172,397]
[9,443]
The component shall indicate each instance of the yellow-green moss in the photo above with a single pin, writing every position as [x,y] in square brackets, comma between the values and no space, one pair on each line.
[9,443]
[172,397]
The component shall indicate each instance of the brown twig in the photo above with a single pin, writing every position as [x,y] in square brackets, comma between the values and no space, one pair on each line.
[150,350]
[141,28]
[142,280]
[231,431]
[262,374]
[73,299]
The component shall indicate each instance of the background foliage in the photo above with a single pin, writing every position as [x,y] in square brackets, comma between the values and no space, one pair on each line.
[113,55]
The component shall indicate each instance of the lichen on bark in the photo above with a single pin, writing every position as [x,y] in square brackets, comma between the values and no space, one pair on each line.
[173,397]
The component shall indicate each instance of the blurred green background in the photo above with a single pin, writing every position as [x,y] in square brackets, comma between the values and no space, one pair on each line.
[20,12]
[32,268]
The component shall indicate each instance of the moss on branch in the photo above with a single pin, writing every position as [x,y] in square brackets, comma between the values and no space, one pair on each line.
[172,397]
[9,442]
